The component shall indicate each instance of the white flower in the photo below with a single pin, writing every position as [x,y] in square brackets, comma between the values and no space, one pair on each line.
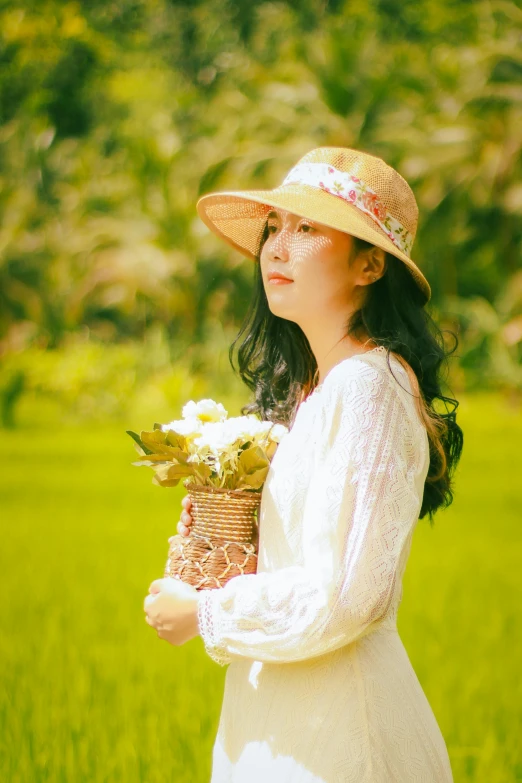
[218,436]
[189,428]
[204,410]
[249,428]
[277,432]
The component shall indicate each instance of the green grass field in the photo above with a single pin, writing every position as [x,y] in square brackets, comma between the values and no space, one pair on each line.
[88,691]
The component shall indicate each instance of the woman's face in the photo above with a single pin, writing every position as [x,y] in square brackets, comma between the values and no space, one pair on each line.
[314,259]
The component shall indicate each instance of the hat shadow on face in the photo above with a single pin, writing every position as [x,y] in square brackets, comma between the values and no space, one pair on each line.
[238,217]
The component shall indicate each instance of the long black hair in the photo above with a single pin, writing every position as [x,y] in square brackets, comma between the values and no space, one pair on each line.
[275,361]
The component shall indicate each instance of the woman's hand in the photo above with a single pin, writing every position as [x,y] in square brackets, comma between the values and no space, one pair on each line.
[185,520]
[172,609]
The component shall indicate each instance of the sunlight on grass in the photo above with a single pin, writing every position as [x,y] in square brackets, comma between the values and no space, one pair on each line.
[89,693]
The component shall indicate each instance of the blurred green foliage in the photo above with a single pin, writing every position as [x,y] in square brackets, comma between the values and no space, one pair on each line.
[115,117]
[116,302]
[88,691]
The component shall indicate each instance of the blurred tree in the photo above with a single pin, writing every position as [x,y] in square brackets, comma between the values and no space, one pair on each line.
[115,117]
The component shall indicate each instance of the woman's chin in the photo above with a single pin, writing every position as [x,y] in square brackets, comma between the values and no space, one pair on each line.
[278,309]
[280,303]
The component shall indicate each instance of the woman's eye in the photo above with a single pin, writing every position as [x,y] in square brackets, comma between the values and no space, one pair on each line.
[272,228]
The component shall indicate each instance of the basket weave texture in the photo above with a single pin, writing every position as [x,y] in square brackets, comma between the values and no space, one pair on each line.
[223,538]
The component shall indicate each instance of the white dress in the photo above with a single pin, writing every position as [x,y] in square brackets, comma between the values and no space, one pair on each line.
[319,687]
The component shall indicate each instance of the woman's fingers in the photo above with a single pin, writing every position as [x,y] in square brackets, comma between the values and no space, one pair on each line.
[185,521]
[155,586]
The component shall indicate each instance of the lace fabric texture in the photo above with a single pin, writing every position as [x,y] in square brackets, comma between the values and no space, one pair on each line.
[311,638]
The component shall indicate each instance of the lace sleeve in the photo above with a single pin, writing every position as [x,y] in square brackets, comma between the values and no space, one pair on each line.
[360,508]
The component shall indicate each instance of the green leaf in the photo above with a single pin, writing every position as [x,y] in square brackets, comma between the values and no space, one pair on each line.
[169,470]
[175,439]
[252,459]
[169,452]
[253,480]
[172,454]
[165,482]
[180,471]
[152,459]
[271,449]
[202,470]
[137,439]
[153,439]
[169,475]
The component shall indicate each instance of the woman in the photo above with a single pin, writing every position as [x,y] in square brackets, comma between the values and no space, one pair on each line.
[337,345]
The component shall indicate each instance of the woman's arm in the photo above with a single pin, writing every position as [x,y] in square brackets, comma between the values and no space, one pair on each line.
[360,509]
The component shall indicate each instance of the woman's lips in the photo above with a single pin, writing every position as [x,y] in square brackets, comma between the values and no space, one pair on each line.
[279,280]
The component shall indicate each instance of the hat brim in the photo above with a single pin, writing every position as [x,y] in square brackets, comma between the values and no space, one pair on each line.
[238,217]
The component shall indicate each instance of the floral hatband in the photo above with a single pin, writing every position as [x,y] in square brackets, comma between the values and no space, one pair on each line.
[351,188]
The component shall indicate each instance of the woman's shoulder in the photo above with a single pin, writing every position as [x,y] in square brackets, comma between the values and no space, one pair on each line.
[363,369]
[370,375]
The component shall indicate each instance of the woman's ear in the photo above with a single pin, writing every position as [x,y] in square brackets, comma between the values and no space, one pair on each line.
[375,264]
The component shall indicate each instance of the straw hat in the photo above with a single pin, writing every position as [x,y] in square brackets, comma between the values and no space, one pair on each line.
[340,187]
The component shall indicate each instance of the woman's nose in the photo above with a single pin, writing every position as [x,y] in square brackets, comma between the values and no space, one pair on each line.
[279,248]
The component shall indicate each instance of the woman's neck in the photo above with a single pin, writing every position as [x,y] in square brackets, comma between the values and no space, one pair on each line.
[327,356]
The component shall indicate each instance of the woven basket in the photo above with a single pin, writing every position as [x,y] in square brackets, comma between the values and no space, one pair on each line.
[222,542]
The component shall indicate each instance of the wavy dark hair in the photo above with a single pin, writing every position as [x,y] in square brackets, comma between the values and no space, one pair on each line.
[275,361]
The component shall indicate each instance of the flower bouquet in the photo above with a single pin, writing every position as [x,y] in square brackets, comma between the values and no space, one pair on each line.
[223,463]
